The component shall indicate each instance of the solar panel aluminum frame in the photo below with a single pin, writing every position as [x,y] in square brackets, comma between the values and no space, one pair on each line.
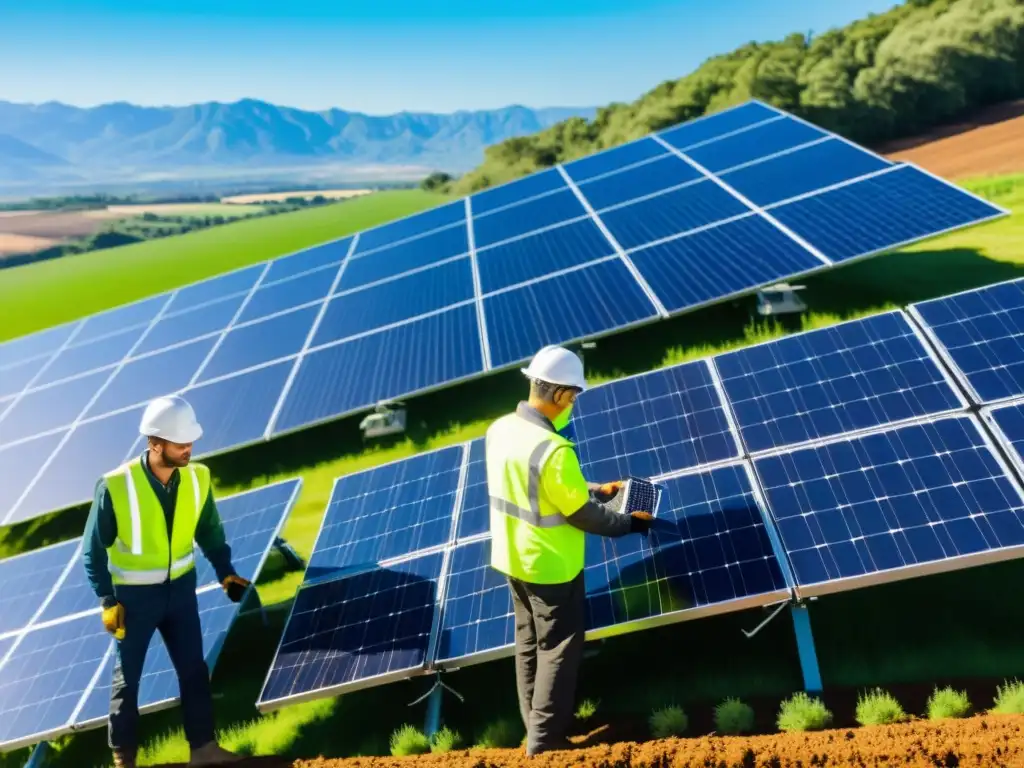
[988,418]
[945,565]
[913,310]
[940,364]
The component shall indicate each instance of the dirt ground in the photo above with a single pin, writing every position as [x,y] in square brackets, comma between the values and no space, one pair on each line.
[989,144]
[23,243]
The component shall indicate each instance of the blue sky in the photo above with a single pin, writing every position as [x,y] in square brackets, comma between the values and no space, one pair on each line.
[380,56]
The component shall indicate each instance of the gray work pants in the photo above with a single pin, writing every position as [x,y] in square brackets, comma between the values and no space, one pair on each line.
[550,623]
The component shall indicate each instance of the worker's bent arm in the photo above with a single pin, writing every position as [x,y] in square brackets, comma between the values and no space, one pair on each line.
[100,533]
[212,541]
[565,485]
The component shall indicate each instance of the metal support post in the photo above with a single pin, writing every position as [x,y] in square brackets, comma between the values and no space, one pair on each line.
[291,557]
[39,755]
[432,724]
[805,648]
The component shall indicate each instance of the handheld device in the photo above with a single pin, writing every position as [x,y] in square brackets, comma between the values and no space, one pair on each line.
[637,495]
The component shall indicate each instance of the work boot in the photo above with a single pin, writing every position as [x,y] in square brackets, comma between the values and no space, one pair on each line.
[212,754]
[124,758]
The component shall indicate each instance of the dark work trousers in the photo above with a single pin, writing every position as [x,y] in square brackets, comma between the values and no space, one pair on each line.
[171,609]
[550,623]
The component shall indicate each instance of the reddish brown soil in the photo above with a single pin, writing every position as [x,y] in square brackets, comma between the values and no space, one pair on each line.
[978,741]
[990,143]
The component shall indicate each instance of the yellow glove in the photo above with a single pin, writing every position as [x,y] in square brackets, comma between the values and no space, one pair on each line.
[113,620]
[235,587]
[608,490]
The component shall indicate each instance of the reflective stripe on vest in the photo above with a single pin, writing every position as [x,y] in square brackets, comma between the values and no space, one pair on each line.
[531,539]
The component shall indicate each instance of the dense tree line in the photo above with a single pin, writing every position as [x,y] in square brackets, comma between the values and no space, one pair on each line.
[887,76]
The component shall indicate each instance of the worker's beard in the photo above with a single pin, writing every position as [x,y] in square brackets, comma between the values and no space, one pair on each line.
[175,463]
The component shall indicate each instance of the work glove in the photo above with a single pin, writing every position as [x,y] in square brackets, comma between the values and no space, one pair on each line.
[608,490]
[235,587]
[640,522]
[113,620]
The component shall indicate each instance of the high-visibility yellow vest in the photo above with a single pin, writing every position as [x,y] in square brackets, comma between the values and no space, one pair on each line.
[143,552]
[531,539]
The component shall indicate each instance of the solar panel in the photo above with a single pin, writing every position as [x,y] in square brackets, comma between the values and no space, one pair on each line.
[27,580]
[475,515]
[387,512]
[848,377]
[699,213]
[1007,425]
[907,501]
[366,629]
[980,333]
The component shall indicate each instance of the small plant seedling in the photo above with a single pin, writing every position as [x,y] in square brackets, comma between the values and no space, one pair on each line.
[879,708]
[409,740]
[668,721]
[587,709]
[445,740]
[948,703]
[734,717]
[803,713]
[1009,699]
[501,734]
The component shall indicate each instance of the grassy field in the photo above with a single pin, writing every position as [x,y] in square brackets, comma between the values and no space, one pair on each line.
[184,209]
[945,627]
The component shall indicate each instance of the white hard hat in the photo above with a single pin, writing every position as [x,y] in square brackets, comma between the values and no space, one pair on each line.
[557,365]
[171,418]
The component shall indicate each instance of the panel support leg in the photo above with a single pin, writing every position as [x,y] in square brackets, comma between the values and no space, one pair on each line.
[432,724]
[39,755]
[291,557]
[805,648]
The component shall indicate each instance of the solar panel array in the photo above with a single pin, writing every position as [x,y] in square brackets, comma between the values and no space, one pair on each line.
[695,214]
[56,658]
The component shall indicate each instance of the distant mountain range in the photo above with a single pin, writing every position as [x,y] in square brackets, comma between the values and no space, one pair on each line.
[54,140]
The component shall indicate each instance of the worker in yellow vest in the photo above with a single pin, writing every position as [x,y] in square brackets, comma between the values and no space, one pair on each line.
[540,508]
[139,558]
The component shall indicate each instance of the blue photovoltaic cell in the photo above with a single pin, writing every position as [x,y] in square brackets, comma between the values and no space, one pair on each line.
[671,213]
[521,321]
[715,263]
[764,140]
[537,255]
[646,179]
[888,503]
[19,463]
[93,448]
[411,226]
[881,212]
[215,288]
[358,373]
[235,411]
[16,376]
[294,292]
[73,596]
[41,410]
[852,376]
[251,522]
[396,300]
[526,217]
[388,512]
[717,124]
[139,313]
[414,254]
[474,517]
[35,344]
[101,353]
[355,629]
[709,546]
[1009,422]
[648,425]
[159,683]
[27,580]
[477,615]
[249,345]
[307,259]
[44,678]
[802,171]
[144,378]
[982,332]
[517,191]
[613,159]
[203,321]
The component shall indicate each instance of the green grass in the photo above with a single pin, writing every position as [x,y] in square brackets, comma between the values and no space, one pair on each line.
[734,717]
[409,740]
[667,722]
[879,707]
[1009,699]
[47,293]
[801,712]
[947,702]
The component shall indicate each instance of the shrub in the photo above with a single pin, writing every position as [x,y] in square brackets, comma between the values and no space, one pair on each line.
[587,709]
[802,713]
[948,703]
[878,708]
[734,717]
[1009,699]
[668,721]
[501,734]
[408,740]
[445,740]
